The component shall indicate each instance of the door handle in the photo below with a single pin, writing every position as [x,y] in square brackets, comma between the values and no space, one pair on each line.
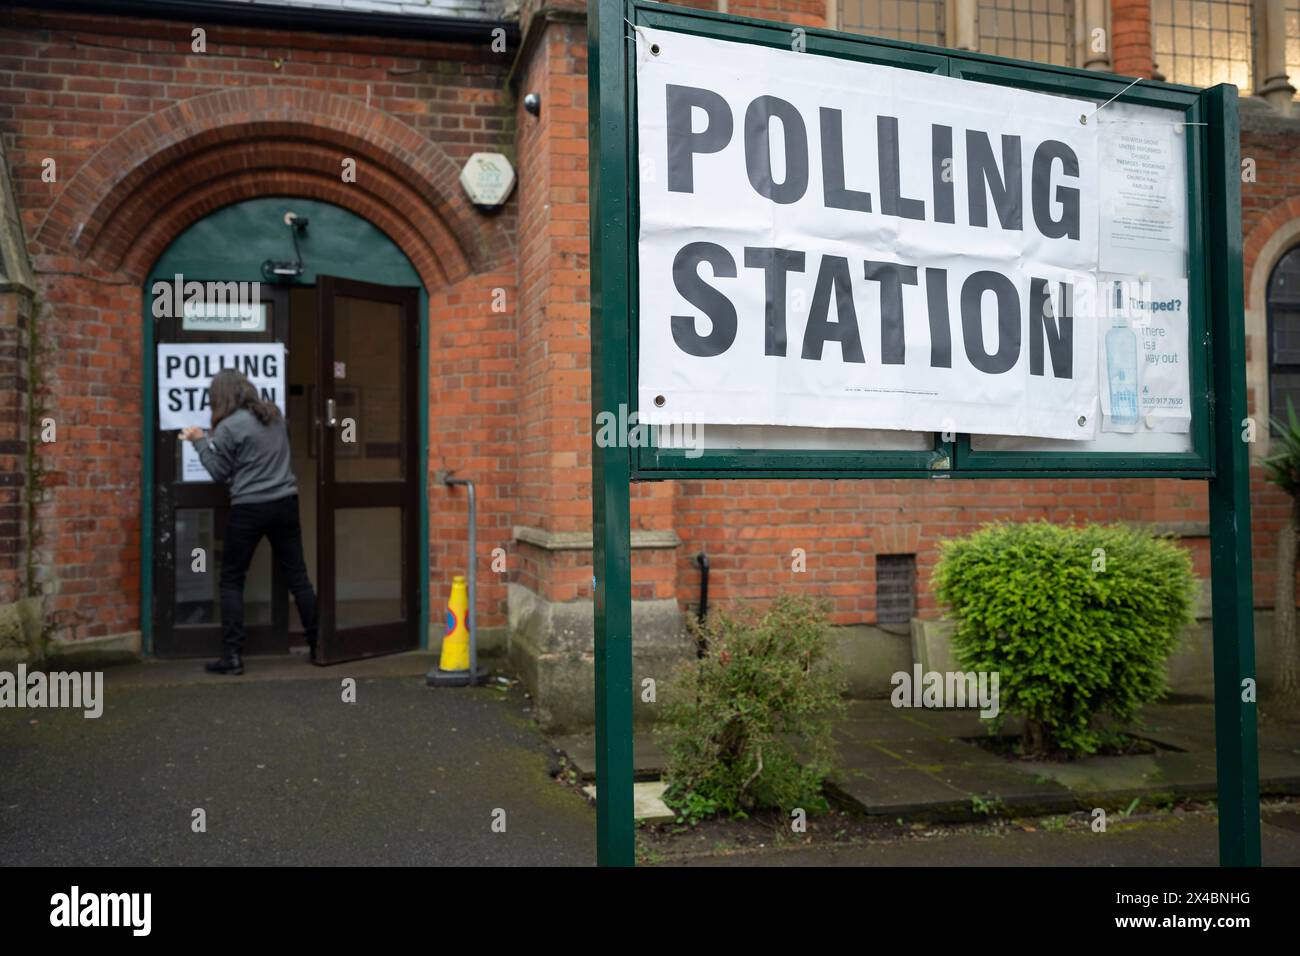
[330,418]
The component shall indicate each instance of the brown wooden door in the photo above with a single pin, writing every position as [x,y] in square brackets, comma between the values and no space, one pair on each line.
[367,501]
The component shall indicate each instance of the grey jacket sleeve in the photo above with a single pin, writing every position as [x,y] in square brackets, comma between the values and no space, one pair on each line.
[217,452]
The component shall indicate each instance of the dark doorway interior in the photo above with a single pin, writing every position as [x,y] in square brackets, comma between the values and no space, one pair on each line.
[351,380]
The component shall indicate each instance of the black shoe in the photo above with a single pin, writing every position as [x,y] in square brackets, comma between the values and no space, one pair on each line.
[229,664]
[311,651]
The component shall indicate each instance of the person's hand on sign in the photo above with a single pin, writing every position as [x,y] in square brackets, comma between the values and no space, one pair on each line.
[191,433]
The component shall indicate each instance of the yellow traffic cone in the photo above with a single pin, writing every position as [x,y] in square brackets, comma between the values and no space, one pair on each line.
[455,643]
[453,668]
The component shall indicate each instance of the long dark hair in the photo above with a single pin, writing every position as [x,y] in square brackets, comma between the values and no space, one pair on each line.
[231,390]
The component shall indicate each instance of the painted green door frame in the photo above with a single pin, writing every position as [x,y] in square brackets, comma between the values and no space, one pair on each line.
[1216,321]
[231,244]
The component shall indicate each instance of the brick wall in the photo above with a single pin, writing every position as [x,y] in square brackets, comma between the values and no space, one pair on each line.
[842,527]
[472,420]
[88,508]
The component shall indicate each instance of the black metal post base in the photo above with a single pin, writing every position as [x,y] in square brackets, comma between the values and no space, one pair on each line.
[441,678]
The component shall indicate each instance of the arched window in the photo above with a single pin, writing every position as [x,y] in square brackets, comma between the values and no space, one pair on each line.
[1284,334]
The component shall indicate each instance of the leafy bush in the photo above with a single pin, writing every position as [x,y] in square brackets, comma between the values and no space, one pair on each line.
[1078,622]
[1282,467]
[748,726]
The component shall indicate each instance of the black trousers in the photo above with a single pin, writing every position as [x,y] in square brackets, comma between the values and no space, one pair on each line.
[248,523]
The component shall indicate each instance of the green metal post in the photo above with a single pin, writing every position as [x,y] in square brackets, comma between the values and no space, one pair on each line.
[610,467]
[1233,605]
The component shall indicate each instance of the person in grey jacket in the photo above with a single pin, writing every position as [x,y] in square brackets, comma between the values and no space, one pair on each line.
[248,449]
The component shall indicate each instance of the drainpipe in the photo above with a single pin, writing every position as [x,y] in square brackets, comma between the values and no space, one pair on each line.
[702,562]
[444,477]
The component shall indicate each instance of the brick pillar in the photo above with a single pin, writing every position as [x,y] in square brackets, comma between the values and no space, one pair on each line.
[550,599]
[17,289]
[15,329]
[1131,37]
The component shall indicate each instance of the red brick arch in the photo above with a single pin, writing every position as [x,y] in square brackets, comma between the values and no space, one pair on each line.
[143,187]
[1258,237]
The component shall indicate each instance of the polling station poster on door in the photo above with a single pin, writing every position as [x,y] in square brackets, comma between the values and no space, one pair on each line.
[833,244]
[186,370]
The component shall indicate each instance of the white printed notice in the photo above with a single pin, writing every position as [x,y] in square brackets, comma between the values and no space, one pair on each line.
[191,464]
[1143,192]
[186,371]
[1144,371]
[837,244]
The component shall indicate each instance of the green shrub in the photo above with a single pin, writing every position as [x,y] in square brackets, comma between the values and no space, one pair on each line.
[1077,622]
[748,726]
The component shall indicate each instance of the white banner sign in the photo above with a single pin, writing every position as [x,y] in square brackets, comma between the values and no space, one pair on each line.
[837,244]
[186,371]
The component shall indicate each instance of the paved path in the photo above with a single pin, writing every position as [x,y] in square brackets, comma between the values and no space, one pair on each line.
[287,773]
[926,762]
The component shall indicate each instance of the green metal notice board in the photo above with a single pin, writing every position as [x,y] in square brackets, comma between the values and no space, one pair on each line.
[1207,440]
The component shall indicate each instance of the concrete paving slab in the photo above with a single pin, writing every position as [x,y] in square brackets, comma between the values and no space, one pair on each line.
[898,792]
[1187,773]
[1183,726]
[954,723]
[885,724]
[648,758]
[1278,735]
[870,755]
[1009,786]
[1103,774]
[1280,769]
[932,753]
[647,801]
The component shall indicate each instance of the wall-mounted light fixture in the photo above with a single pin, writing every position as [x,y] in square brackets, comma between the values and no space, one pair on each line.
[533,103]
[277,269]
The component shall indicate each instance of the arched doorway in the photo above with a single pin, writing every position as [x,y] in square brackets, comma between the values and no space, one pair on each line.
[336,335]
